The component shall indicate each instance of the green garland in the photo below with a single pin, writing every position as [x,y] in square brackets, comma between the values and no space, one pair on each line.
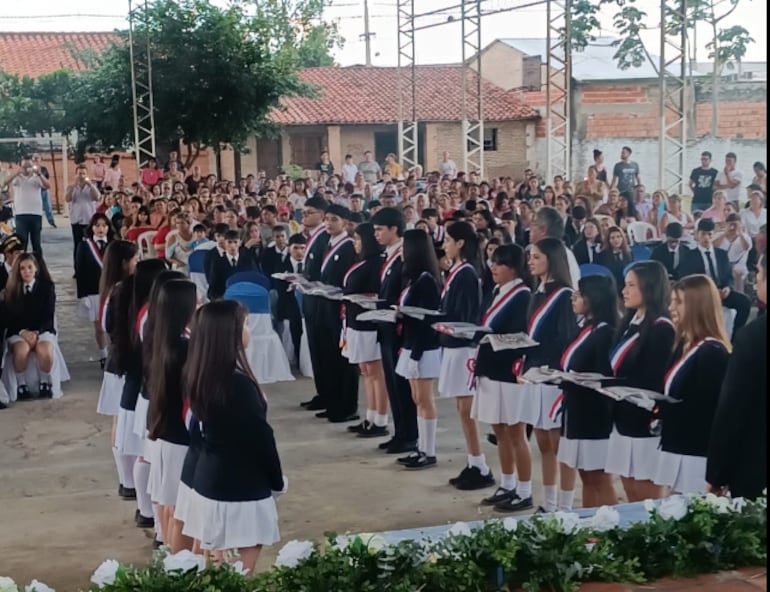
[683,537]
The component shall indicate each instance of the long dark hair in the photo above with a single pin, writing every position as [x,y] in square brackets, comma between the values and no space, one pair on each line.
[655,289]
[512,256]
[15,288]
[558,264]
[369,245]
[153,315]
[465,232]
[175,304]
[94,219]
[601,297]
[215,353]
[419,255]
[115,269]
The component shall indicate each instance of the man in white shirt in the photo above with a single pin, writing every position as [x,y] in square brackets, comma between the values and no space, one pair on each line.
[549,223]
[729,179]
[737,243]
[446,166]
[27,186]
[349,170]
[82,197]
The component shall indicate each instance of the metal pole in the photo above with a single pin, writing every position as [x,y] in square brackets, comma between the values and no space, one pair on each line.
[557,92]
[367,34]
[473,116]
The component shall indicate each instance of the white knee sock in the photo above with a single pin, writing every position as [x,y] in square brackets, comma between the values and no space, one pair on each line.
[566,498]
[551,493]
[420,434]
[21,378]
[380,421]
[102,353]
[480,462]
[524,489]
[127,463]
[118,466]
[158,523]
[45,377]
[141,478]
[508,481]
[370,413]
[430,436]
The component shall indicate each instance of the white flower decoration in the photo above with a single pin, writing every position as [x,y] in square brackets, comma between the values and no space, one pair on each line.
[238,567]
[738,504]
[36,586]
[374,543]
[510,524]
[105,573]
[649,505]
[7,585]
[569,521]
[605,518]
[293,553]
[184,561]
[674,507]
[459,529]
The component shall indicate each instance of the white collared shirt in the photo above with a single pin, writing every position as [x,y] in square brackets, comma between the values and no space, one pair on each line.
[505,288]
[389,250]
[29,287]
[335,240]
[706,267]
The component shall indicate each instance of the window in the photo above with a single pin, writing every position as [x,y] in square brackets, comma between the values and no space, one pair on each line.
[490,139]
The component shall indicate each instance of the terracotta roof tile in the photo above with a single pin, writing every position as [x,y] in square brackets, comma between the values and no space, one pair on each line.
[367,94]
[34,54]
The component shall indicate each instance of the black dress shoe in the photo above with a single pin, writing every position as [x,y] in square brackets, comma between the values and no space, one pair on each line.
[314,401]
[541,510]
[127,493]
[3,405]
[492,439]
[514,504]
[387,444]
[343,418]
[401,447]
[421,462]
[145,522]
[321,414]
[359,427]
[500,495]
[46,392]
[156,544]
[102,362]
[455,480]
[315,406]
[373,431]
[403,460]
[22,393]
[473,480]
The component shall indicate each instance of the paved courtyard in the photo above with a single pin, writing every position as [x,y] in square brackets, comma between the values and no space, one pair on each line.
[60,515]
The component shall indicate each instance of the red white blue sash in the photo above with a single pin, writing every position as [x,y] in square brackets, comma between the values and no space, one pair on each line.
[674,371]
[452,273]
[186,333]
[311,240]
[537,318]
[350,272]
[333,251]
[566,357]
[141,320]
[403,296]
[389,263]
[95,252]
[556,408]
[438,234]
[621,351]
[496,307]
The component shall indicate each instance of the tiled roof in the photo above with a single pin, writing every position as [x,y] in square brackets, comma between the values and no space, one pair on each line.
[368,94]
[34,54]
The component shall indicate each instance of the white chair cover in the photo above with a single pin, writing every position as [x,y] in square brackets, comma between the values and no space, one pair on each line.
[729,316]
[201,284]
[265,353]
[305,365]
[288,344]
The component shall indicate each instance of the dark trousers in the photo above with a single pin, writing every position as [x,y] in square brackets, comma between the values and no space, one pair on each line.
[78,234]
[339,378]
[29,227]
[402,406]
[741,304]
[314,342]
[288,310]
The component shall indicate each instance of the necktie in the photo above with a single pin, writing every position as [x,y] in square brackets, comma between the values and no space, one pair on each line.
[28,289]
[101,244]
[712,270]
[676,258]
[233,262]
[495,292]
[299,267]
[590,253]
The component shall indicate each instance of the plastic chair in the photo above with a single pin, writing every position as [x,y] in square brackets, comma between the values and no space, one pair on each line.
[588,269]
[601,217]
[145,244]
[265,353]
[251,277]
[196,264]
[640,232]
[640,253]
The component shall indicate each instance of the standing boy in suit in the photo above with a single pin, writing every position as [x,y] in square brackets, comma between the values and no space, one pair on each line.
[287,307]
[234,260]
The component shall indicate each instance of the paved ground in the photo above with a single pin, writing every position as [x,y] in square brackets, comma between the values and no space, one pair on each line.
[59,511]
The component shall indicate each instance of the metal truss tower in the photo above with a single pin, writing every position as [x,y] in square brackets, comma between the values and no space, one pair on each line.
[558,155]
[472,106]
[407,85]
[141,82]
[672,110]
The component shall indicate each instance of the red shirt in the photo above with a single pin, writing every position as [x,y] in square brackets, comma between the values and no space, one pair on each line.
[151,177]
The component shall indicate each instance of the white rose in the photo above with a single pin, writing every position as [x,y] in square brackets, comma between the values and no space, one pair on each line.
[184,561]
[649,505]
[105,573]
[569,521]
[375,543]
[738,504]
[510,524]
[293,553]
[36,586]
[459,529]
[7,585]
[605,518]
[238,568]
[674,507]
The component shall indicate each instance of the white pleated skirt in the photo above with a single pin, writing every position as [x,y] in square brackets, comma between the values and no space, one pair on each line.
[456,374]
[683,473]
[361,346]
[182,506]
[636,458]
[126,441]
[165,471]
[503,403]
[231,525]
[587,455]
[88,308]
[429,365]
[109,394]
[543,398]
[140,416]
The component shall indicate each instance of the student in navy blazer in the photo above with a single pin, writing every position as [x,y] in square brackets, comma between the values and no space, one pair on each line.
[235,260]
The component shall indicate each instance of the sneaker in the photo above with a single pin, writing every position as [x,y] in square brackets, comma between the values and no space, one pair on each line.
[475,480]
[22,393]
[455,480]
[421,462]
[45,391]
[373,431]
[405,460]
[500,495]
[514,504]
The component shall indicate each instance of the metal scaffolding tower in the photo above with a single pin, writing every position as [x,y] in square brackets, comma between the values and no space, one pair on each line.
[407,85]
[558,153]
[472,106]
[141,82]
[672,110]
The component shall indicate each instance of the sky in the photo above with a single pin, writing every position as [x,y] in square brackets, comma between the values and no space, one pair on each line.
[439,44]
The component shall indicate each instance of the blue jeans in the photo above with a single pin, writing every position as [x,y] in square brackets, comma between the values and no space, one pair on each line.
[29,227]
[47,207]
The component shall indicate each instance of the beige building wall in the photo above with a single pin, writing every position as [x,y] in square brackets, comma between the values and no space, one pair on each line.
[357,139]
[501,65]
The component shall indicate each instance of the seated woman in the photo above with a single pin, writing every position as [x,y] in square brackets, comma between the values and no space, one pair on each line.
[138,226]
[178,244]
[615,254]
[30,303]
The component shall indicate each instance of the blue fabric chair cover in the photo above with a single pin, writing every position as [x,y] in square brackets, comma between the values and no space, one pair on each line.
[252,277]
[641,253]
[588,269]
[252,296]
[196,261]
